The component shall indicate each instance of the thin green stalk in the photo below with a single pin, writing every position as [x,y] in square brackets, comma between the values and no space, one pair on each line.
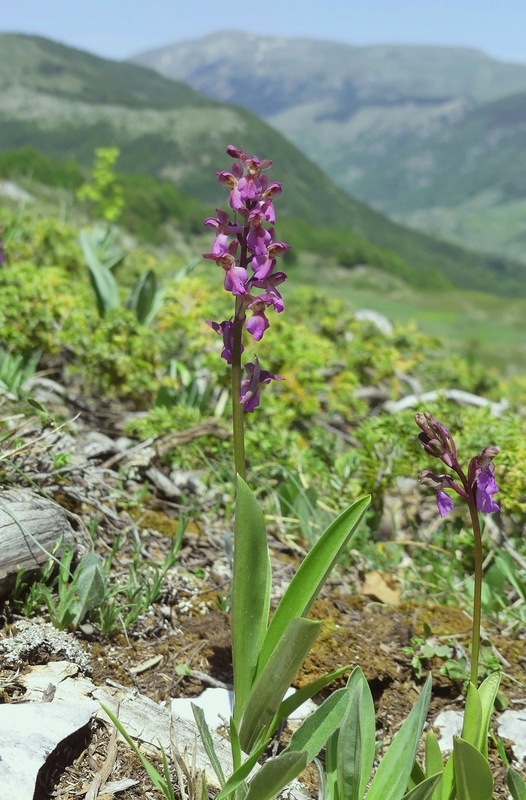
[477,595]
[237,408]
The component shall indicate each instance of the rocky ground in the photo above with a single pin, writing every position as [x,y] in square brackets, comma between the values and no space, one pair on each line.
[180,645]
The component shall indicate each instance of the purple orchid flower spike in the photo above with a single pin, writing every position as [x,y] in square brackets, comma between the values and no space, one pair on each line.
[477,487]
[436,439]
[258,323]
[245,248]
[439,483]
[444,503]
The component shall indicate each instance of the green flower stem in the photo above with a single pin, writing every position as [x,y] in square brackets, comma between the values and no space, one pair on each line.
[238,413]
[477,596]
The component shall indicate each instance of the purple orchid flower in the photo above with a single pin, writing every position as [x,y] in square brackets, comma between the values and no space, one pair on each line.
[486,487]
[258,323]
[226,330]
[250,386]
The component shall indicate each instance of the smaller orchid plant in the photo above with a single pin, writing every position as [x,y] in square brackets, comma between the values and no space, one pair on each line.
[467,773]
[476,487]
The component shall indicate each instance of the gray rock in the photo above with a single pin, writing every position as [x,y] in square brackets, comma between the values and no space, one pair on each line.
[512,725]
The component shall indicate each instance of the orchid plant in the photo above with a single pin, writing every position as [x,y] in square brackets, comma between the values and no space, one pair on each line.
[266,654]
[467,773]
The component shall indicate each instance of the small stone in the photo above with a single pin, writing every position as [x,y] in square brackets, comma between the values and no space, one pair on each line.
[512,725]
[450,725]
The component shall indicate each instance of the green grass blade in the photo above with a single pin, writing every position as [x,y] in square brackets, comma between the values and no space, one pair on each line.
[167,776]
[278,674]
[154,776]
[250,594]
[208,744]
[392,776]
[312,574]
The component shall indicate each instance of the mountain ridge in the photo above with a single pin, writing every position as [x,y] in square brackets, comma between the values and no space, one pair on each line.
[362,112]
[66,103]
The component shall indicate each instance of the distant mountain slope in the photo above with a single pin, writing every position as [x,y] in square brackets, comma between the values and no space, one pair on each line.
[467,182]
[342,105]
[37,64]
[65,102]
[391,124]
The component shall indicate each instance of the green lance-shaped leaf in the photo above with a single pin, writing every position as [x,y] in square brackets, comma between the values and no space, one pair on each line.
[447,789]
[106,243]
[356,739]
[90,584]
[477,716]
[473,777]
[417,775]
[102,281]
[270,686]
[392,776]
[487,692]
[472,725]
[516,785]
[305,744]
[434,762]
[145,298]
[238,778]
[300,696]
[312,574]
[316,729]
[251,581]
[275,774]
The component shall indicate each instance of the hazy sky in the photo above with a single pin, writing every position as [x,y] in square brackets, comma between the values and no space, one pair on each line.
[120,28]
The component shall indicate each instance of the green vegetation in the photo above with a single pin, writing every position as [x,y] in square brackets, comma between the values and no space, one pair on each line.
[322,351]
[332,444]
[73,593]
